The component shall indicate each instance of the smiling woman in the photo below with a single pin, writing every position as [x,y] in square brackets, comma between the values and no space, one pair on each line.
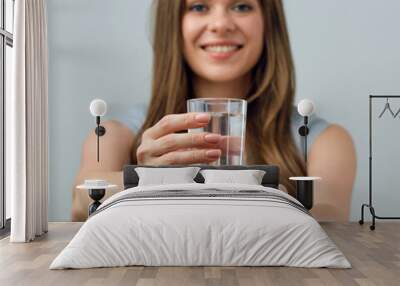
[231,49]
[223,41]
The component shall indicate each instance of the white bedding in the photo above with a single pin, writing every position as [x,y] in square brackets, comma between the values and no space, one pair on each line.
[182,231]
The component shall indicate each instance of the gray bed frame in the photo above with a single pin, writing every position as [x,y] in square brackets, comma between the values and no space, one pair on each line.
[270,179]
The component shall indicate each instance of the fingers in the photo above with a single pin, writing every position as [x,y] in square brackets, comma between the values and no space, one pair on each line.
[161,145]
[196,156]
[155,151]
[176,141]
[177,122]
[230,145]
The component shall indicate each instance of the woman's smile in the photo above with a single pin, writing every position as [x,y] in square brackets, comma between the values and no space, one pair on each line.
[222,39]
[221,50]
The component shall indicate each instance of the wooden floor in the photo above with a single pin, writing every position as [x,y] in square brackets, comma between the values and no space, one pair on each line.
[375,257]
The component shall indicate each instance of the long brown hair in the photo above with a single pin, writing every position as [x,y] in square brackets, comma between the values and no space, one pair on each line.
[270,99]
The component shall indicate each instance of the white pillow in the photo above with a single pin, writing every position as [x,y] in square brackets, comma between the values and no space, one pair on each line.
[163,176]
[248,177]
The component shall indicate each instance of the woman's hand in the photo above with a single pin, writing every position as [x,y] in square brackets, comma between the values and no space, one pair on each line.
[162,146]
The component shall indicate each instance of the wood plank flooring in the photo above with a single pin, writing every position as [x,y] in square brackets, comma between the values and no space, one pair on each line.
[375,257]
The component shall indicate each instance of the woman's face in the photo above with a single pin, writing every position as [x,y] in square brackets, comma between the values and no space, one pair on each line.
[223,39]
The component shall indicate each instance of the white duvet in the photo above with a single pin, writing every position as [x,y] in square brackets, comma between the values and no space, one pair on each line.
[203,231]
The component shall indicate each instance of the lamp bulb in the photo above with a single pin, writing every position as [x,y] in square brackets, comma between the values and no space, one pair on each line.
[305,107]
[98,107]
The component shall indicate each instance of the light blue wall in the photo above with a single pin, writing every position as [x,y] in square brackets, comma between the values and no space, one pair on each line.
[98,49]
[344,51]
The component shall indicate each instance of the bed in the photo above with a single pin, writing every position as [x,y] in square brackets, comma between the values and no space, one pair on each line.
[201,224]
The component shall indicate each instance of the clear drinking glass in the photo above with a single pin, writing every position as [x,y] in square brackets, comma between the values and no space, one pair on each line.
[228,118]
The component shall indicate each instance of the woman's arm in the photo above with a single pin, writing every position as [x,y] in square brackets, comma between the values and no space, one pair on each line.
[333,157]
[115,152]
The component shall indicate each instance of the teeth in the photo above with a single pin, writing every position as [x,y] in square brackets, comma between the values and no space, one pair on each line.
[221,49]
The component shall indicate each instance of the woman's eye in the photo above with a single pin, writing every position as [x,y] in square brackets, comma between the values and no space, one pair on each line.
[242,7]
[198,8]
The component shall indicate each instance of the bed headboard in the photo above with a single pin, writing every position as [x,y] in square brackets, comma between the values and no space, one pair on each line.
[270,179]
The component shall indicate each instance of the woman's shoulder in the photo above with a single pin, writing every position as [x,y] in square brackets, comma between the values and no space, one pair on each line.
[316,125]
[133,117]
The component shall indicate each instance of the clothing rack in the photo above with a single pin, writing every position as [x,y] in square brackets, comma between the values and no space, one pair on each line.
[370,204]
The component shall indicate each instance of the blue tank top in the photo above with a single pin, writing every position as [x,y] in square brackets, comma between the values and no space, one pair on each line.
[135,116]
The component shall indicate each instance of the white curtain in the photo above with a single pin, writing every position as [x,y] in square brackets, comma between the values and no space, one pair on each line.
[27,123]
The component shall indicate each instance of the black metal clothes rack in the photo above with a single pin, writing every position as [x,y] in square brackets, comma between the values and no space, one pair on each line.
[370,204]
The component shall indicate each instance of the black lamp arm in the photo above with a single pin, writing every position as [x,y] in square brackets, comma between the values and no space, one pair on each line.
[100,131]
[304,131]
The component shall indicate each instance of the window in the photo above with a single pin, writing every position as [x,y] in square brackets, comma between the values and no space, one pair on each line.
[6,44]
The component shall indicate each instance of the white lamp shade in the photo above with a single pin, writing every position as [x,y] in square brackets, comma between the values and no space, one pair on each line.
[305,107]
[98,107]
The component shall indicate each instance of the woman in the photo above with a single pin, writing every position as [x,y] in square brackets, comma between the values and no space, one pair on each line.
[228,49]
